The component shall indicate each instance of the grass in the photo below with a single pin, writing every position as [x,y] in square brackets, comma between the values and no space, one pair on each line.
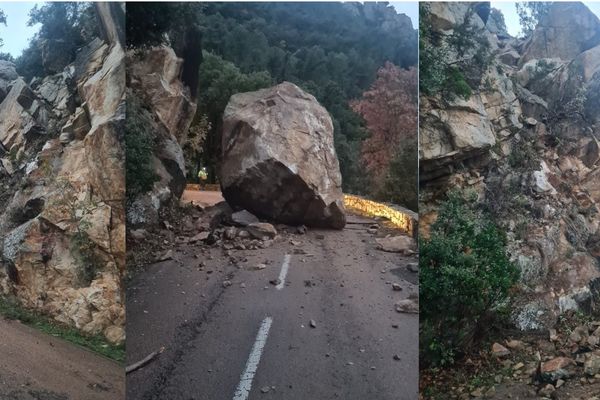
[11,309]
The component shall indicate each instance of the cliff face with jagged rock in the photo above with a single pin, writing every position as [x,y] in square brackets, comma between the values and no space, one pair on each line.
[62,184]
[154,76]
[527,141]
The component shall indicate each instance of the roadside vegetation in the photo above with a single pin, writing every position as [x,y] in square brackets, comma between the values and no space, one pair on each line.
[12,310]
[465,280]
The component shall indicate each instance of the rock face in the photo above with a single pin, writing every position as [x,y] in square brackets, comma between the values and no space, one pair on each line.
[526,142]
[279,160]
[62,184]
[155,76]
[567,30]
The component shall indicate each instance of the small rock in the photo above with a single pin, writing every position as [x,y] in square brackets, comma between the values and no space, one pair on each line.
[200,237]
[301,230]
[396,287]
[499,351]
[265,389]
[243,218]
[407,306]
[518,366]
[531,121]
[547,390]
[556,368]
[396,244]
[261,230]
[413,267]
[230,233]
[138,234]
[166,256]
[312,323]
[591,366]
[226,284]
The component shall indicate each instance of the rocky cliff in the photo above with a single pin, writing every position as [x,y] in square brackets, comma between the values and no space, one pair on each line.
[62,184]
[527,141]
[154,76]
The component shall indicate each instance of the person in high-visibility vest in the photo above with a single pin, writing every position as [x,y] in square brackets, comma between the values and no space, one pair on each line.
[202,177]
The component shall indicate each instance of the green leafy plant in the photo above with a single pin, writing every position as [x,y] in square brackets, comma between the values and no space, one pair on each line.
[530,13]
[10,308]
[84,251]
[139,145]
[465,276]
[451,65]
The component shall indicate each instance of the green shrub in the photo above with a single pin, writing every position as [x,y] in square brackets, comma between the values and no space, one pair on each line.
[139,145]
[523,157]
[401,182]
[456,85]
[465,276]
[451,65]
[84,251]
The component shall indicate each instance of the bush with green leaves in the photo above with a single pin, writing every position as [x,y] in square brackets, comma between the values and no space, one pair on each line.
[530,13]
[73,23]
[465,277]
[451,65]
[397,188]
[139,145]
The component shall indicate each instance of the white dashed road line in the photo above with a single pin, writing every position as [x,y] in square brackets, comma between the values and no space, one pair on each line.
[243,390]
[284,270]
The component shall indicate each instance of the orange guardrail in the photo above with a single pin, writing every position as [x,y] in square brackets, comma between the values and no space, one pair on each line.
[400,217]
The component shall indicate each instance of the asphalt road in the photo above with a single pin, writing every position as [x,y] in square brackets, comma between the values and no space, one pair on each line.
[252,340]
[202,197]
[34,366]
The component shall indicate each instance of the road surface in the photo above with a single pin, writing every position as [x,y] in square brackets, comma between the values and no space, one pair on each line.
[34,366]
[254,340]
[204,198]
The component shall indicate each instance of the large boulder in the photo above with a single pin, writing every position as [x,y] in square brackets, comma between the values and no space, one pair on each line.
[156,74]
[279,159]
[568,29]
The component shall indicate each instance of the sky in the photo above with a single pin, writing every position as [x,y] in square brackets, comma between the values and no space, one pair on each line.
[16,34]
[512,19]
[410,8]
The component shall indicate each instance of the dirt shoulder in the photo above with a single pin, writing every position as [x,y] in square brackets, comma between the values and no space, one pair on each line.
[37,366]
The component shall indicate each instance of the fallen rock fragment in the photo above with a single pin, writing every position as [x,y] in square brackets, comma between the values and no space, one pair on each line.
[243,218]
[407,306]
[500,351]
[396,244]
[261,230]
[168,255]
[556,369]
